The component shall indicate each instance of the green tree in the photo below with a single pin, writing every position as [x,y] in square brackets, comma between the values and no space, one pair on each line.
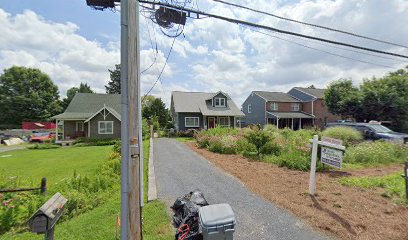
[156,109]
[27,94]
[342,98]
[386,99]
[83,88]
[113,86]
[381,99]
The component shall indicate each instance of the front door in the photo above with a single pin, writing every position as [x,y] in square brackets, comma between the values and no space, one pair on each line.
[211,122]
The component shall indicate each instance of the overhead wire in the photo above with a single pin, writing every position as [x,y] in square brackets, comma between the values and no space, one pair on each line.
[153,48]
[245,23]
[312,25]
[320,50]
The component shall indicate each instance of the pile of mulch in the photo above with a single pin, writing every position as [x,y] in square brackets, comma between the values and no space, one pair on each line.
[347,212]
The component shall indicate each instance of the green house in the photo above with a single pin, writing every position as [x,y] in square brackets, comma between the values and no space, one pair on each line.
[90,115]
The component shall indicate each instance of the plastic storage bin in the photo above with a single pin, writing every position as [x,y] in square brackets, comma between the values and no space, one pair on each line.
[217,222]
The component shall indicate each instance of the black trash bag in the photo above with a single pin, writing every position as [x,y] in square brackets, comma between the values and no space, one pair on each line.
[186,213]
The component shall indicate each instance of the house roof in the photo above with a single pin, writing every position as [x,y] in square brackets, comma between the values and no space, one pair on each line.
[276,96]
[315,92]
[289,115]
[84,105]
[197,102]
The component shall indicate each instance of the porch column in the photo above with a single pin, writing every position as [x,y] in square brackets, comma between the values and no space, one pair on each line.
[292,123]
[277,122]
[234,122]
[56,130]
[89,128]
[300,123]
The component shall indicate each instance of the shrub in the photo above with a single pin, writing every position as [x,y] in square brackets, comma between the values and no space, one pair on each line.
[39,146]
[348,135]
[378,152]
[258,138]
[84,141]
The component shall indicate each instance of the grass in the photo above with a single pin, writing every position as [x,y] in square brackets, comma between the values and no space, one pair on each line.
[101,222]
[394,185]
[54,164]
[185,139]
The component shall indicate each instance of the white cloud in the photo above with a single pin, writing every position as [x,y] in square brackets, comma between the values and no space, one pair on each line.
[214,55]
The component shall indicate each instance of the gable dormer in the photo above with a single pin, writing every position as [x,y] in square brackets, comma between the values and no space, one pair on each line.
[219,100]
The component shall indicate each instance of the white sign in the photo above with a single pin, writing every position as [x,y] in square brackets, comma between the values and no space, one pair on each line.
[332,157]
[332,141]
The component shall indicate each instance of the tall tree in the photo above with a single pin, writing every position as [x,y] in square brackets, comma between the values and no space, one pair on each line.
[382,99]
[342,98]
[157,110]
[83,88]
[27,94]
[114,83]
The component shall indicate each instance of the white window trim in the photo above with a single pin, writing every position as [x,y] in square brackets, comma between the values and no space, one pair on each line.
[229,123]
[221,99]
[99,127]
[185,122]
[249,108]
[295,109]
[275,106]
[77,128]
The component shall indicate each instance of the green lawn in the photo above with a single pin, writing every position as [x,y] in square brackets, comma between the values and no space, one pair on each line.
[101,222]
[54,164]
[393,185]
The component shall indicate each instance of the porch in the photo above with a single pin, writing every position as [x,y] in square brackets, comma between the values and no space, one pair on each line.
[292,120]
[67,130]
[222,121]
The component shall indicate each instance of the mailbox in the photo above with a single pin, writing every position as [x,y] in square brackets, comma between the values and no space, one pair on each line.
[44,220]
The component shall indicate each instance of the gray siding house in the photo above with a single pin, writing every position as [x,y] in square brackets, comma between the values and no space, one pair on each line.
[199,110]
[278,108]
[90,115]
[299,108]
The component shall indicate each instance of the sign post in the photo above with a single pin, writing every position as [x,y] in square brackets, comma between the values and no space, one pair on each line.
[331,154]
[405,176]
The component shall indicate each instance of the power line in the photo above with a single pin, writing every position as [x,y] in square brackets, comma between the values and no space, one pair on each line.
[327,52]
[310,24]
[273,29]
[155,52]
[161,72]
[355,51]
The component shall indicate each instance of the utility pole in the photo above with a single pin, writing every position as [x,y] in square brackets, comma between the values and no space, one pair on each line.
[130,129]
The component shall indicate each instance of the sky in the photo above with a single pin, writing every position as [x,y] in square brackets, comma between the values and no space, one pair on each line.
[73,43]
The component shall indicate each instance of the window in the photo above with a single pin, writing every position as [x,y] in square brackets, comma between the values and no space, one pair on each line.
[295,107]
[192,121]
[249,108]
[274,106]
[219,102]
[105,127]
[224,121]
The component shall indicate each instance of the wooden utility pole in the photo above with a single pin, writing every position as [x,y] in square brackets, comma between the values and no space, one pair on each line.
[130,128]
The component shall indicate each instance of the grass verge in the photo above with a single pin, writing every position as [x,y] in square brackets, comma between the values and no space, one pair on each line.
[394,185]
[101,222]
[185,139]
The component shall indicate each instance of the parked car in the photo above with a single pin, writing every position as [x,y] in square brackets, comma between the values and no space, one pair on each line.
[374,131]
[41,137]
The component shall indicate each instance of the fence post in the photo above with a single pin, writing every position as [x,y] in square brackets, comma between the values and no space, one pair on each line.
[43,185]
[313,165]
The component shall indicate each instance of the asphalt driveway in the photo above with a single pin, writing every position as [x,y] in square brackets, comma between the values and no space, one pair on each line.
[180,170]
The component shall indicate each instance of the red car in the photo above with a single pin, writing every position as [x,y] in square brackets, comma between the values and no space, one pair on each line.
[41,137]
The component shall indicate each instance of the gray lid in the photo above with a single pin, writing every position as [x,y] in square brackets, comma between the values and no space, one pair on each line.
[216,215]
